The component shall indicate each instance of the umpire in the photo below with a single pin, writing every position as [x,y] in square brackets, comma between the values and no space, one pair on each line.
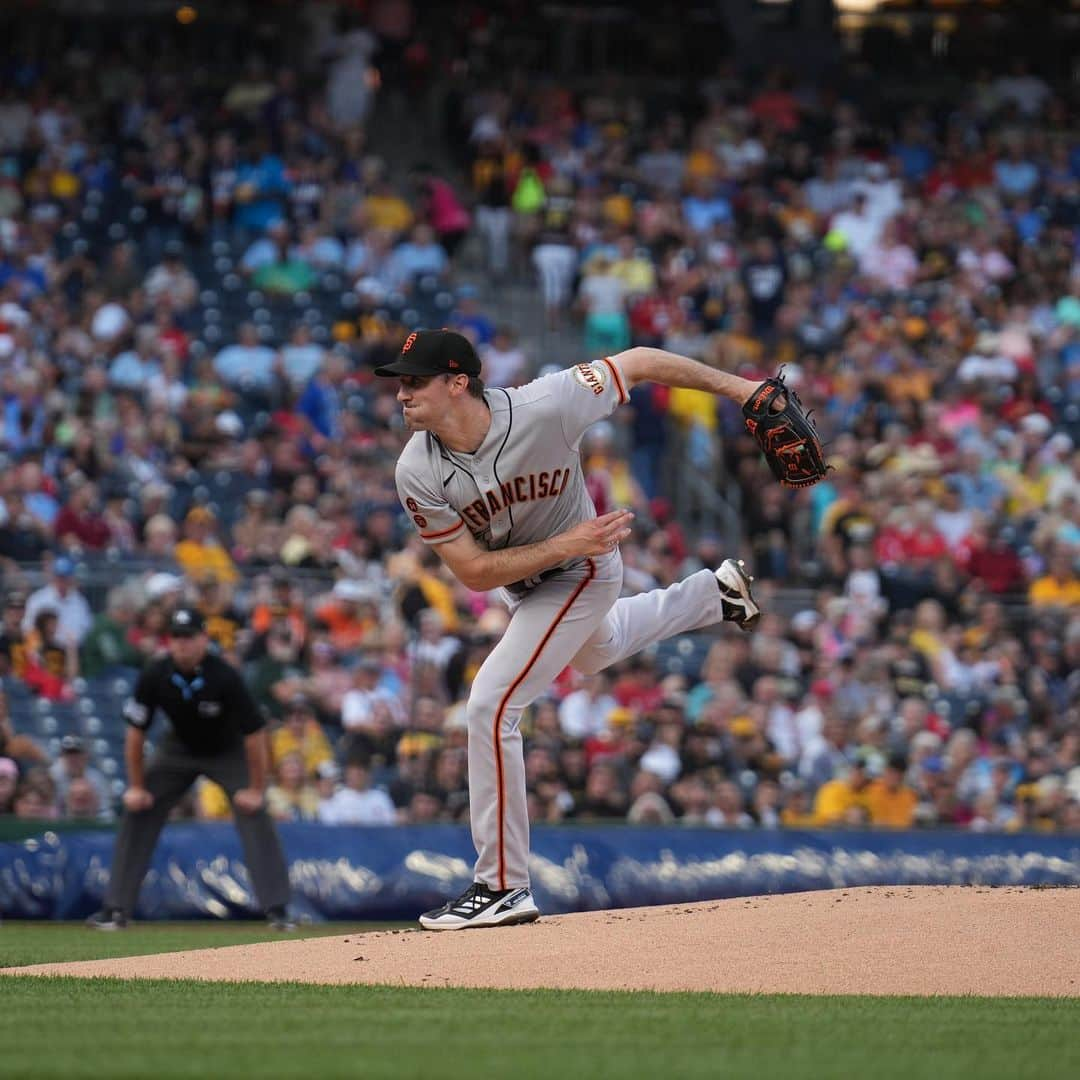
[216,731]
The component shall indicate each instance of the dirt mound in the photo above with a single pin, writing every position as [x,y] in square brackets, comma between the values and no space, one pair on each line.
[891,940]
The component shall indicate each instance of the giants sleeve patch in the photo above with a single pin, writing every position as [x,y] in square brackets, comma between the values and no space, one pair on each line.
[590,377]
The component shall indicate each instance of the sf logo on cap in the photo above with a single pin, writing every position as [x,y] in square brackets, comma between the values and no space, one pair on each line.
[408,343]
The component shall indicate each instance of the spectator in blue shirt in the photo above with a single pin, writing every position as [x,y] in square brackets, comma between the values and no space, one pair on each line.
[470,320]
[261,187]
[302,358]
[247,365]
[705,206]
[270,248]
[1015,175]
[133,368]
[419,255]
[320,403]
[24,414]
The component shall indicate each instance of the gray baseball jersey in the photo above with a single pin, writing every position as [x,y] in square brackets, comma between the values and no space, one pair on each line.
[524,484]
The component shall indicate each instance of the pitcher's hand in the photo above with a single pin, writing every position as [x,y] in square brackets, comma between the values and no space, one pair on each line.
[600,535]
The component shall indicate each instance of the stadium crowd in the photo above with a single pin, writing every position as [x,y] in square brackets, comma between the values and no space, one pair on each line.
[197,278]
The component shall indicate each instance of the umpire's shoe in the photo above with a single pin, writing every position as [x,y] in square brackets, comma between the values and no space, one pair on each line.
[480,906]
[278,918]
[737,601]
[107,919]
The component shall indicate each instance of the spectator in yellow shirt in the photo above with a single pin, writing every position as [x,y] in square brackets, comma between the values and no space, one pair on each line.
[890,801]
[200,552]
[300,734]
[1060,586]
[797,812]
[385,209]
[292,796]
[838,796]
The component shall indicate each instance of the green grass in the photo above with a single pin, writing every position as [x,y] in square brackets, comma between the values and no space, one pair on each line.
[103,1028]
[56,943]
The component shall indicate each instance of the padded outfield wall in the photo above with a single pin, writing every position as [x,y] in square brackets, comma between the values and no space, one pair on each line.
[394,873]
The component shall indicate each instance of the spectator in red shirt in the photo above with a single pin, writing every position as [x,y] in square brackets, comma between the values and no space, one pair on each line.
[80,522]
[989,557]
[921,542]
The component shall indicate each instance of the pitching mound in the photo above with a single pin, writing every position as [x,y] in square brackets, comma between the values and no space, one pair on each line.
[892,940]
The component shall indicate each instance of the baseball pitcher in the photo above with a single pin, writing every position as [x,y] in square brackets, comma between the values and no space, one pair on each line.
[492,480]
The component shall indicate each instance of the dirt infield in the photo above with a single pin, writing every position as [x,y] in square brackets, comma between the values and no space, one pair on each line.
[889,940]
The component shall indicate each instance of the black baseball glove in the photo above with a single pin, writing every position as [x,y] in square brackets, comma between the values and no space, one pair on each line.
[786,434]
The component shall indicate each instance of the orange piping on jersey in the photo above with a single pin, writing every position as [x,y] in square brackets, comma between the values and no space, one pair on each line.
[502,708]
[624,397]
[445,532]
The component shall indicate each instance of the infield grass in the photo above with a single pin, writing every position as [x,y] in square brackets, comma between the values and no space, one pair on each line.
[104,1028]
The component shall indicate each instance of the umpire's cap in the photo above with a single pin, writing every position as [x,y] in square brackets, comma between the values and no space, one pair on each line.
[186,622]
[434,352]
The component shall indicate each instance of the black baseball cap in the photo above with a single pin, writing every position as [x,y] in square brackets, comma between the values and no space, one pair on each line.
[434,352]
[186,622]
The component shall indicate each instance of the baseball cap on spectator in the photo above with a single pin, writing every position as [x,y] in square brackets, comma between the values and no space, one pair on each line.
[71,744]
[806,620]
[64,567]
[229,423]
[822,688]
[300,703]
[434,352]
[161,584]
[8,767]
[352,591]
[200,513]
[186,622]
[620,716]
[109,321]
[328,770]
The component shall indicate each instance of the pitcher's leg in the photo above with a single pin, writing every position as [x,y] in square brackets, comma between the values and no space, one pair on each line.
[635,622]
[546,630]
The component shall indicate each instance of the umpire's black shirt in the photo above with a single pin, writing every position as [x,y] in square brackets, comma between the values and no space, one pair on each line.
[210,708]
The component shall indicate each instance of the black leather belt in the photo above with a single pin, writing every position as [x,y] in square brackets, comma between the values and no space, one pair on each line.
[526,585]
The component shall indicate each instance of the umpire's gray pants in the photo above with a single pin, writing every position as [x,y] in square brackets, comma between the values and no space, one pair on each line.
[169,774]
